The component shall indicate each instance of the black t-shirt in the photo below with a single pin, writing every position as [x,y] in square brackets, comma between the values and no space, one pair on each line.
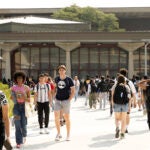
[63,88]
[3,101]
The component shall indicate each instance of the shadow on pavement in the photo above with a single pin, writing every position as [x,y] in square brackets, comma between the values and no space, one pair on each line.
[139,132]
[41,145]
[104,141]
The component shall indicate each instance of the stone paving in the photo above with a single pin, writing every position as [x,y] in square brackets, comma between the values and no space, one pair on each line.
[92,129]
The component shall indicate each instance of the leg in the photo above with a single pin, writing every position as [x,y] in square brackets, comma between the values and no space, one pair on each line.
[67,118]
[104,100]
[66,110]
[24,125]
[127,121]
[62,121]
[90,99]
[40,114]
[18,132]
[117,119]
[46,111]
[123,122]
[148,119]
[100,100]
[57,121]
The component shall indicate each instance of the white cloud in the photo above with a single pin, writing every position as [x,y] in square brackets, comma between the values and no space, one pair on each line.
[64,3]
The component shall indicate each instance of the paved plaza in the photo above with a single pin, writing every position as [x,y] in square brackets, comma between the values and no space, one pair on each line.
[92,129]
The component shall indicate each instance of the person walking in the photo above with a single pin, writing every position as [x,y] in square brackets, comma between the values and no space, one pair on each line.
[103,88]
[145,85]
[65,91]
[4,121]
[92,95]
[124,72]
[20,93]
[77,86]
[87,89]
[43,100]
[120,101]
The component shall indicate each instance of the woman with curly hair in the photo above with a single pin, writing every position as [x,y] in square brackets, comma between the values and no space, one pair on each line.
[20,93]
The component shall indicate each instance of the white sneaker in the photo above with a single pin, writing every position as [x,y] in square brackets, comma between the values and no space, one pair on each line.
[24,140]
[68,138]
[58,137]
[46,131]
[41,131]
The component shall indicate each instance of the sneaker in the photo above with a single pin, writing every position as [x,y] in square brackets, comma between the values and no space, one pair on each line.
[58,137]
[117,133]
[126,131]
[68,138]
[41,131]
[46,131]
[18,146]
[122,136]
[24,140]
[61,123]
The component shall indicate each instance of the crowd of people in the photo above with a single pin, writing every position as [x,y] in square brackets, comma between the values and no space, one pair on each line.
[121,93]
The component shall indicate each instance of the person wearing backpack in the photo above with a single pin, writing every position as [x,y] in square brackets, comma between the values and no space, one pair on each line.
[92,95]
[124,72]
[120,102]
[103,88]
[43,100]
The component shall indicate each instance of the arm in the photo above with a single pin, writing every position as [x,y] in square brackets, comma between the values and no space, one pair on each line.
[50,97]
[28,94]
[5,111]
[72,92]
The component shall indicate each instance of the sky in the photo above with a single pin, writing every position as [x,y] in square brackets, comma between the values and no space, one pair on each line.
[65,3]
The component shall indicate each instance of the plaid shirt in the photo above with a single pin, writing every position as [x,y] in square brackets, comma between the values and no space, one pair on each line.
[3,100]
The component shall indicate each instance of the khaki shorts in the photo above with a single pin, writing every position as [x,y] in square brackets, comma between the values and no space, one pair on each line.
[62,105]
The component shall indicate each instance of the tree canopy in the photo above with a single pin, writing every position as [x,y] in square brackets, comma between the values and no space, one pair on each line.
[98,20]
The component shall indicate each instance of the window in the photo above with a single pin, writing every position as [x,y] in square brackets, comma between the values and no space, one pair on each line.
[94,60]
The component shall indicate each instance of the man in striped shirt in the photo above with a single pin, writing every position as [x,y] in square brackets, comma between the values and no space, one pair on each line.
[42,98]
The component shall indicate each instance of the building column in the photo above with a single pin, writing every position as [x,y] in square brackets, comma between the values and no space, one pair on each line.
[8,47]
[130,47]
[68,47]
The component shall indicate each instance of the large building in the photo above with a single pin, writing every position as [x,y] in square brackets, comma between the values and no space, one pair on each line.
[33,42]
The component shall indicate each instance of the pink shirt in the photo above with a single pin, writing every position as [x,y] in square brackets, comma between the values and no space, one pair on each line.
[21,92]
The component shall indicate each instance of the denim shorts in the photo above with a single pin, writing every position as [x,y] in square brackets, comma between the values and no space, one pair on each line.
[121,107]
[62,105]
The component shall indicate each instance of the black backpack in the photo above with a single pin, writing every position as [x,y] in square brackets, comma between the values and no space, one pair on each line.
[103,86]
[120,95]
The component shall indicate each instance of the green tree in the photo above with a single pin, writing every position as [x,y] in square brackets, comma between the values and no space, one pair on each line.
[98,20]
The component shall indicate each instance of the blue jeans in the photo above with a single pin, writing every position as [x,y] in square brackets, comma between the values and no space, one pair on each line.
[76,92]
[20,121]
